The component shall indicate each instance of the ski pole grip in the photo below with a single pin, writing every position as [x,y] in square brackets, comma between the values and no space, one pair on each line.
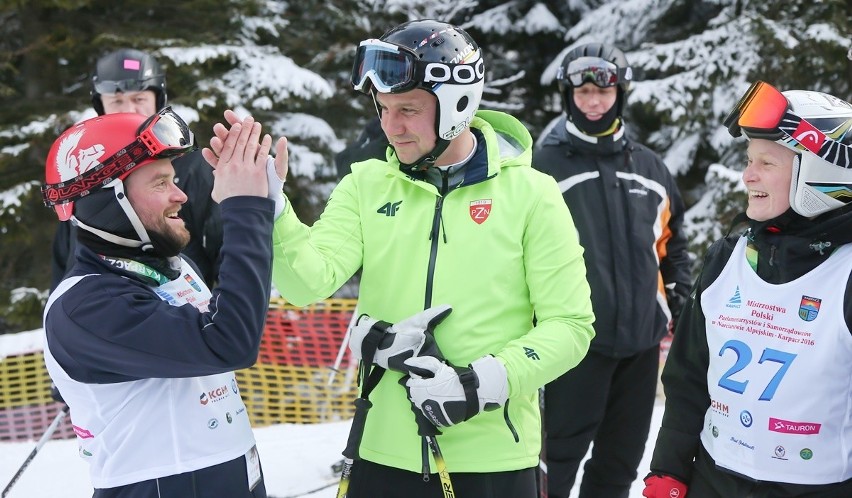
[359,419]
[424,427]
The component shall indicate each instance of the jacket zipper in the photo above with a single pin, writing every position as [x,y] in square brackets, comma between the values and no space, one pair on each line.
[433,237]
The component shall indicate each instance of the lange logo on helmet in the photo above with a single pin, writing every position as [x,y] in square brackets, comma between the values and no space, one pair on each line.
[809,137]
[437,72]
[479,210]
[95,177]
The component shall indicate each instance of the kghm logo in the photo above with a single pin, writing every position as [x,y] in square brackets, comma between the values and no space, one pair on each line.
[736,300]
[214,395]
[389,209]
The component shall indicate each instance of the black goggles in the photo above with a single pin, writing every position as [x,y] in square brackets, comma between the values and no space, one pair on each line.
[388,67]
[602,73]
[764,112]
[162,135]
[110,87]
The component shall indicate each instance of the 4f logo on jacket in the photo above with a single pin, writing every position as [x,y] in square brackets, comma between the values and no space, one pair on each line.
[389,209]
[479,210]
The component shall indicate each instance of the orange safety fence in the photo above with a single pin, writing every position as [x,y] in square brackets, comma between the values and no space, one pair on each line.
[291,382]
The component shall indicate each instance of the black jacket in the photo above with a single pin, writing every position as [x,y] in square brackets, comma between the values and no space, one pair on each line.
[200,213]
[788,247]
[629,215]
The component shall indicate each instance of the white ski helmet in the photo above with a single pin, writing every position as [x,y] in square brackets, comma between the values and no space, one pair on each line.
[818,127]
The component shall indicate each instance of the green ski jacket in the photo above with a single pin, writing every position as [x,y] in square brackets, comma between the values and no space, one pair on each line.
[500,248]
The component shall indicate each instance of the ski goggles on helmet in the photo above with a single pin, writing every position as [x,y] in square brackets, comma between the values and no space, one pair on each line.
[595,70]
[388,67]
[161,136]
[759,113]
[111,87]
[764,112]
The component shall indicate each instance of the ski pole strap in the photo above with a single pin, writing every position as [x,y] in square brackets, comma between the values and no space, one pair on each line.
[469,382]
[371,341]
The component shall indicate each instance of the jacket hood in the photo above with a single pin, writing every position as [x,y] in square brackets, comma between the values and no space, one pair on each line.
[512,142]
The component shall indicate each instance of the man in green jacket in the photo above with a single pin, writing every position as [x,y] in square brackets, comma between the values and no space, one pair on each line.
[473,292]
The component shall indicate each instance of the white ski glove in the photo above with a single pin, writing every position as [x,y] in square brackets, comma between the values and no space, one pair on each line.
[450,395]
[394,343]
[276,187]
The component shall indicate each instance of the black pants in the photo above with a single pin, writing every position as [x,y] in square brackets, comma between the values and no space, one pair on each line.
[371,480]
[708,481]
[606,400]
[229,479]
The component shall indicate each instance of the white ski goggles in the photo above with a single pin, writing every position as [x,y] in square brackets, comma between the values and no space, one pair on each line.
[387,67]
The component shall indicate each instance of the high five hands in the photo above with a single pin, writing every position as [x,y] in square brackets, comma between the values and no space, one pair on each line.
[239,158]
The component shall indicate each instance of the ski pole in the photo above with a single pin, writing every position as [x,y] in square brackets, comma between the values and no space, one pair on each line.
[342,350]
[44,438]
[362,406]
[429,433]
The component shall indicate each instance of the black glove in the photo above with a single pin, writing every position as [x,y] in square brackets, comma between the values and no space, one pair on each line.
[450,395]
[676,295]
[394,343]
[54,393]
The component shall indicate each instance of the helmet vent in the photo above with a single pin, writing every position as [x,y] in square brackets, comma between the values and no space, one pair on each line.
[462,104]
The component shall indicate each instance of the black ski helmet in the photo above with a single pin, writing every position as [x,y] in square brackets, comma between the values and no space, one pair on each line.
[128,70]
[622,77]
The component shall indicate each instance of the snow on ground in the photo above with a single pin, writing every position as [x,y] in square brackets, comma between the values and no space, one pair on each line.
[296,459]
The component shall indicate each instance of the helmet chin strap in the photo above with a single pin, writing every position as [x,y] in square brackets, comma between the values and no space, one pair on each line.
[144,241]
[428,160]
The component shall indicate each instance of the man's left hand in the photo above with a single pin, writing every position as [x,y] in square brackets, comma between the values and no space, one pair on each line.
[450,395]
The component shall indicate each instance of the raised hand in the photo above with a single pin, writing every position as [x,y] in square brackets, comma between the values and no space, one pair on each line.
[240,163]
[220,133]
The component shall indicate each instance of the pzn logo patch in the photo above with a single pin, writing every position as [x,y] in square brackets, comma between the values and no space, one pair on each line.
[479,210]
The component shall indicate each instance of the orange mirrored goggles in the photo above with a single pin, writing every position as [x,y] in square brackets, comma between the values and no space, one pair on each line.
[759,112]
